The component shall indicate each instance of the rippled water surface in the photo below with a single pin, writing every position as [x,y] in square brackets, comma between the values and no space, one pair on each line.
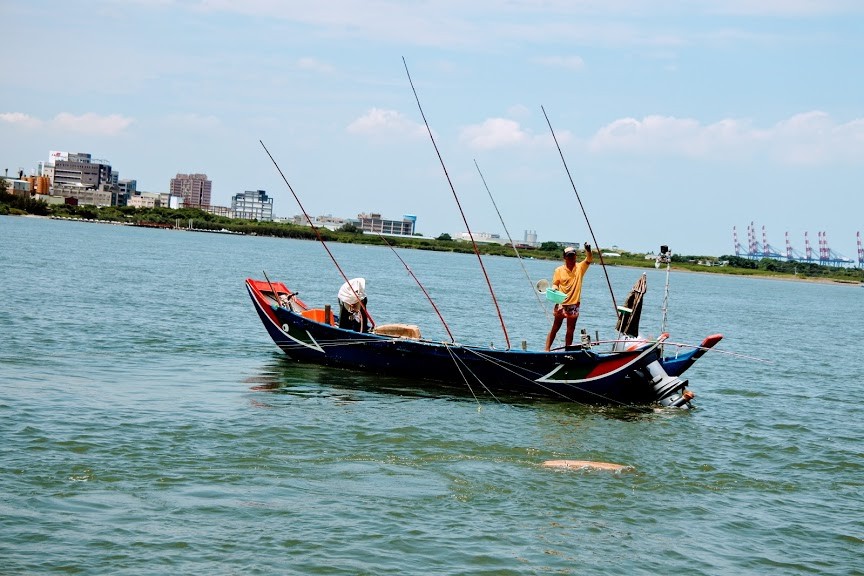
[148,425]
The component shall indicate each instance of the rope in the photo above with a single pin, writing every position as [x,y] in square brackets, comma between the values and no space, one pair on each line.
[506,366]
[456,360]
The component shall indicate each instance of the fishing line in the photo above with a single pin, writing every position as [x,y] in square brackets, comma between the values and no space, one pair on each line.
[456,197]
[513,244]
[506,366]
[447,328]
[455,363]
[590,229]
[318,234]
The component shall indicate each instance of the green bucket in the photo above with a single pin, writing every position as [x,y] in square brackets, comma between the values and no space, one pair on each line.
[555,296]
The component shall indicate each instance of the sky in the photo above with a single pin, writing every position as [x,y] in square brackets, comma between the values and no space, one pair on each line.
[678,121]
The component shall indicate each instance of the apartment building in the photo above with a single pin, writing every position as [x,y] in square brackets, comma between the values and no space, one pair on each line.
[195,189]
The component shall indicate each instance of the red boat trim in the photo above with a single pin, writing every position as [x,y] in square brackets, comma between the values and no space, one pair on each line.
[604,369]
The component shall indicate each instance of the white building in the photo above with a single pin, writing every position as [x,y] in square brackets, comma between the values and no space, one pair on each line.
[327,221]
[145,200]
[482,237]
[373,222]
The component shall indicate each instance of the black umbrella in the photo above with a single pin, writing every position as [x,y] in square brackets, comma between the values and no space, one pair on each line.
[629,313]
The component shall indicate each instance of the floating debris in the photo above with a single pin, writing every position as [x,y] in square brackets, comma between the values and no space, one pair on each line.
[586,465]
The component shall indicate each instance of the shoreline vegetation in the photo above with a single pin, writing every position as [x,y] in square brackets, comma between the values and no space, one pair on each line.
[193,219]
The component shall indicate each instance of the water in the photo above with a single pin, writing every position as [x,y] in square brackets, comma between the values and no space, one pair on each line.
[148,424]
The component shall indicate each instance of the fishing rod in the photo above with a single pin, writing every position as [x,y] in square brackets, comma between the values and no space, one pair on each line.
[447,328]
[276,295]
[591,230]
[318,234]
[465,220]
[513,244]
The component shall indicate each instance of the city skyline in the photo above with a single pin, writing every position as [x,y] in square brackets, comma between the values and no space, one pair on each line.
[677,120]
[253,201]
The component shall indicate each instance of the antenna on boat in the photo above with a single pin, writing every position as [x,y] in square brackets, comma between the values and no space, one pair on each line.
[665,256]
[513,244]
[447,328]
[318,234]
[465,220]
[591,230]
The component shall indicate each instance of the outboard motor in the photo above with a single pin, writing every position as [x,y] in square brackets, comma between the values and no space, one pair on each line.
[670,391]
[681,400]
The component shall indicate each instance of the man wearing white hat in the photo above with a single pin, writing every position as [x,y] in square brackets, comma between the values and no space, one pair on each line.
[352,305]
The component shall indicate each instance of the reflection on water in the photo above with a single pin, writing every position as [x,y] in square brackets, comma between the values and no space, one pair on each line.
[285,376]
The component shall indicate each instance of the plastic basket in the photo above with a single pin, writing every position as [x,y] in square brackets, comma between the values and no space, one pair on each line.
[555,296]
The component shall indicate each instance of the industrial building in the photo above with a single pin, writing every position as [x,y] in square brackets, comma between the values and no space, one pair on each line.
[252,205]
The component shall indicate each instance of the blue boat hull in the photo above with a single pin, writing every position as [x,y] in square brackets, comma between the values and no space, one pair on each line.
[577,374]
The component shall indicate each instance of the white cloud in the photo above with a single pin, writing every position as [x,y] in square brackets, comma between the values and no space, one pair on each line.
[815,138]
[651,134]
[494,133]
[809,138]
[106,125]
[377,122]
[20,119]
[92,123]
[851,133]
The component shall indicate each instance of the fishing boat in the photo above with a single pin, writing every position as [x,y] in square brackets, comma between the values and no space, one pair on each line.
[627,371]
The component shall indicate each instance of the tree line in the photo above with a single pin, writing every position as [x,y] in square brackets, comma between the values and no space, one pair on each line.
[11,204]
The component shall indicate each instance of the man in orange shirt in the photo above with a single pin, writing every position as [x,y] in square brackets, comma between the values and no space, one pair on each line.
[568,279]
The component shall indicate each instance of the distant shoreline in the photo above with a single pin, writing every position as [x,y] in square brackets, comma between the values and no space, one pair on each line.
[673,268]
[781,277]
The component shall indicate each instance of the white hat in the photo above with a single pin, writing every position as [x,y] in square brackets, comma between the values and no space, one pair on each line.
[347,293]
